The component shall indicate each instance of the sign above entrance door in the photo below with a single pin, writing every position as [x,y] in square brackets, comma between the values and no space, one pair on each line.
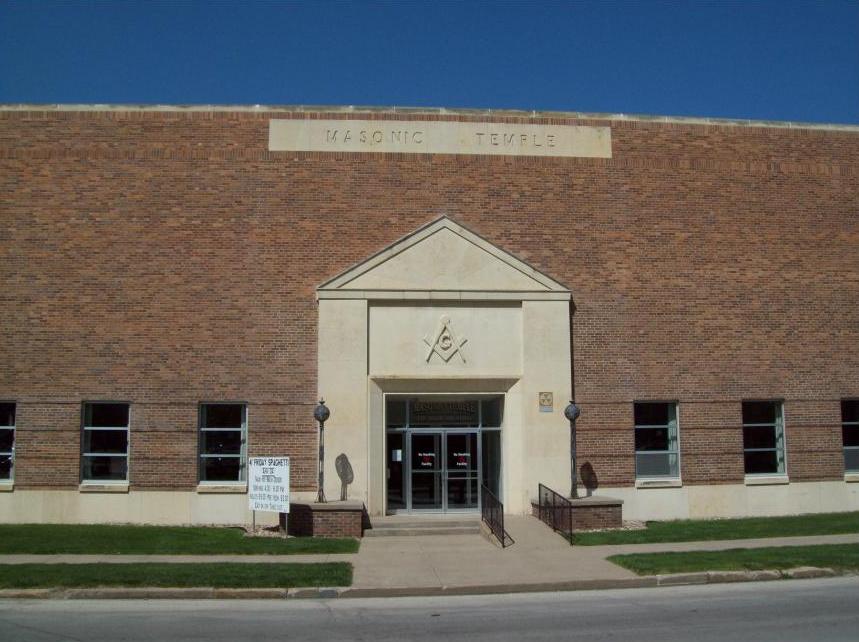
[438,137]
[444,413]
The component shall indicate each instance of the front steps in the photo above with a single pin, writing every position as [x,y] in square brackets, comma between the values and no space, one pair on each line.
[412,526]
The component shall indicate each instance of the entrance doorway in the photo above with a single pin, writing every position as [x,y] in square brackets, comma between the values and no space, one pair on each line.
[439,449]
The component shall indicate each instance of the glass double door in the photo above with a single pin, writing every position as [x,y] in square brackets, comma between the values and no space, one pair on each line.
[443,472]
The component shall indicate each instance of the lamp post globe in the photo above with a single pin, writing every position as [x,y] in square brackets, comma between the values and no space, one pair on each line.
[321,414]
[572,411]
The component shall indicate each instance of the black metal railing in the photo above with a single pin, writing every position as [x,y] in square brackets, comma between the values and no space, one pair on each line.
[555,511]
[492,514]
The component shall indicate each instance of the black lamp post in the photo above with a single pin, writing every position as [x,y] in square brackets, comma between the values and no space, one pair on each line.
[572,412]
[321,414]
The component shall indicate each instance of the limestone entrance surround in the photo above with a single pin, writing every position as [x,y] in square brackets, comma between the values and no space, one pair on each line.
[445,311]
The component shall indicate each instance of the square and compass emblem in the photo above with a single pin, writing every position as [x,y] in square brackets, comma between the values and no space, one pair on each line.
[444,342]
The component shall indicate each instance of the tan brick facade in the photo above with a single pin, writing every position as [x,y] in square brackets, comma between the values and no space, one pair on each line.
[167,258]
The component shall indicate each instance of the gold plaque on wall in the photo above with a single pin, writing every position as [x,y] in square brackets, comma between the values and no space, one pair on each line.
[546,401]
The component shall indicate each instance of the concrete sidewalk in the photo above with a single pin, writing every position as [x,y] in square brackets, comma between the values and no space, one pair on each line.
[175,559]
[539,558]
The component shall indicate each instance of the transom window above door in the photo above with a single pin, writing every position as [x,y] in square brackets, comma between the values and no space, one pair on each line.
[443,411]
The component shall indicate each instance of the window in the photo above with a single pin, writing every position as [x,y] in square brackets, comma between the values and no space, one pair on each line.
[763,437]
[850,434]
[104,445]
[7,440]
[223,430]
[656,444]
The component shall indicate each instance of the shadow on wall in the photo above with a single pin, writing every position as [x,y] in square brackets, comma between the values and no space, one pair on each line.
[589,478]
[344,472]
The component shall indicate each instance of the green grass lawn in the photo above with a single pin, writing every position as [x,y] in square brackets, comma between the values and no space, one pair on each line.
[712,529]
[837,556]
[235,575]
[44,539]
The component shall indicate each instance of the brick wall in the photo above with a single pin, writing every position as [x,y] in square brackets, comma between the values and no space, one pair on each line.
[586,517]
[168,258]
[163,447]
[47,445]
[305,521]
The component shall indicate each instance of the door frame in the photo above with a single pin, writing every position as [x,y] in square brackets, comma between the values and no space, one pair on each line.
[443,431]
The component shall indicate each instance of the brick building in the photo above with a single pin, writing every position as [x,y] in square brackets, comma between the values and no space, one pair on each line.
[180,285]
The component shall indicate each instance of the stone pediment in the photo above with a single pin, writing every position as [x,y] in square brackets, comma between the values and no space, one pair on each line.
[443,257]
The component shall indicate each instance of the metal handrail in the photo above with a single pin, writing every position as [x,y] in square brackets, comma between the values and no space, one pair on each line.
[555,510]
[492,514]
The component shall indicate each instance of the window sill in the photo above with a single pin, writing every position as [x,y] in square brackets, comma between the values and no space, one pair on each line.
[223,489]
[767,480]
[658,483]
[851,477]
[91,487]
[7,487]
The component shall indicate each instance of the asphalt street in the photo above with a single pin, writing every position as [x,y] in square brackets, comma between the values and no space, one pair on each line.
[781,610]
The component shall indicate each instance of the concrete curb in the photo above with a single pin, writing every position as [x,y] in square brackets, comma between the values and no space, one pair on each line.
[204,593]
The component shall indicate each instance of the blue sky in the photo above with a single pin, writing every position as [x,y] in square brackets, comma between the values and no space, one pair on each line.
[785,59]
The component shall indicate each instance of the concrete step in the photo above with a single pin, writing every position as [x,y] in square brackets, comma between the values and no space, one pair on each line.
[415,532]
[411,527]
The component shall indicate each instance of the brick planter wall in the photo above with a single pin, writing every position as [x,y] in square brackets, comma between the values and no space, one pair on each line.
[337,519]
[591,513]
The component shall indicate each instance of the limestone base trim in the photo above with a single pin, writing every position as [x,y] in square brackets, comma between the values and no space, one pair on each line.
[735,500]
[134,507]
[191,508]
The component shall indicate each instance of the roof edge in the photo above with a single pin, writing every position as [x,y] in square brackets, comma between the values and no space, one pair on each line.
[430,111]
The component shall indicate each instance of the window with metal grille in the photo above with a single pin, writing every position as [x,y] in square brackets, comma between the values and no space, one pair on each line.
[657,453]
[223,439]
[763,438]
[104,442]
[850,434]
[7,440]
